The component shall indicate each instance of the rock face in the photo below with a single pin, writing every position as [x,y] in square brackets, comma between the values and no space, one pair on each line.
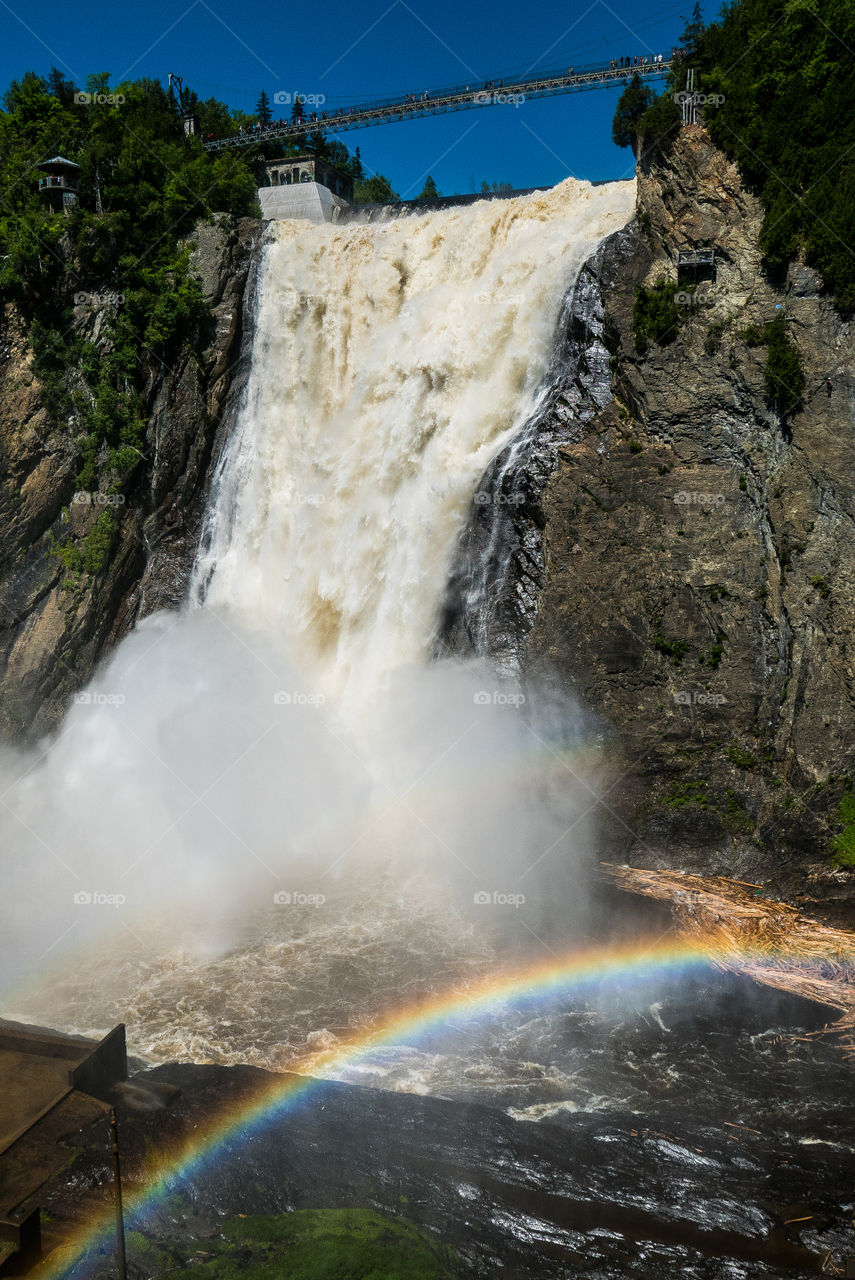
[678,556]
[53,628]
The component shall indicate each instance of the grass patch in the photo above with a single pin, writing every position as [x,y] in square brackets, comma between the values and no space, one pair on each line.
[687,793]
[676,650]
[742,759]
[844,843]
[322,1244]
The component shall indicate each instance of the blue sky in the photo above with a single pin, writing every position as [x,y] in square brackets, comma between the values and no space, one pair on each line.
[230,49]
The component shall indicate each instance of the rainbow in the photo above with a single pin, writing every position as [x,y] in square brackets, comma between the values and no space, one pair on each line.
[571,973]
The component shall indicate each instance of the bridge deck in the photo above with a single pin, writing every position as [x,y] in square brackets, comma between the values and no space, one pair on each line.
[458,98]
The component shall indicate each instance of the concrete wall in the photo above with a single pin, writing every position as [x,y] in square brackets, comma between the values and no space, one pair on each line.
[307,201]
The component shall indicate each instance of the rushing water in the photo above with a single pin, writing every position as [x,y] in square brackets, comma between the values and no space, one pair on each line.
[288,733]
[278,815]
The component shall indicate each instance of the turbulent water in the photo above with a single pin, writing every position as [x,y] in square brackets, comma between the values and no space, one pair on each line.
[275,809]
[391,365]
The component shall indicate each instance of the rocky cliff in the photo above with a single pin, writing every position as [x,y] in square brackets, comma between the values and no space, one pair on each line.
[54,624]
[678,555]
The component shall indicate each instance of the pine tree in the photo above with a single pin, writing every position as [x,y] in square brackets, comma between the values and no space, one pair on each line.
[262,109]
[356,169]
[694,30]
[632,104]
[429,191]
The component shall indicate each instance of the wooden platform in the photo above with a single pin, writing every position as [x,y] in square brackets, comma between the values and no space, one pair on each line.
[51,1087]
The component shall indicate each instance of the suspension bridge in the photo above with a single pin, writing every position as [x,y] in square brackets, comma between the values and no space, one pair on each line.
[410,106]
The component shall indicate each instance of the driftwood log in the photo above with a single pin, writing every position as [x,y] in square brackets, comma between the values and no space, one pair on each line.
[743,932]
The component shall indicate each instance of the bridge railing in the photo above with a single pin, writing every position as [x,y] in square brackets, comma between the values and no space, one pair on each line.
[456,97]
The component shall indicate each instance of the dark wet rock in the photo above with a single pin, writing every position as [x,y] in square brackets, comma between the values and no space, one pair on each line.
[599,1195]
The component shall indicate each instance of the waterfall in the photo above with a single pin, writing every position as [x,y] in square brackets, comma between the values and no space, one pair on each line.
[392,363]
[286,740]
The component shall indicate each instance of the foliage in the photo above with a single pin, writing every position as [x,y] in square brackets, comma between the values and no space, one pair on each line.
[374,190]
[262,109]
[682,794]
[742,759]
[318,1244]
[643,121]
[844,843]
[694,30]
[788,79]
[93,555]
[655,317]
[632,104]
[676,650]
[428,191]
[659,125]
[120,257]
[784,376]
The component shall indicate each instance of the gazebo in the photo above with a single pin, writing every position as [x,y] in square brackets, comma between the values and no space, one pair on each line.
[58,186]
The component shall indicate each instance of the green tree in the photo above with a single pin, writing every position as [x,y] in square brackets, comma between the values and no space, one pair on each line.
[374,190]
[632,104]
[262,109]
[690,39]
[215,119]
[428,191]
[783,377]
[660,124]
[61,88]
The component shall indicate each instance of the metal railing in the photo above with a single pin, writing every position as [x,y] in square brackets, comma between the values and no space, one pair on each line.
[502,92]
